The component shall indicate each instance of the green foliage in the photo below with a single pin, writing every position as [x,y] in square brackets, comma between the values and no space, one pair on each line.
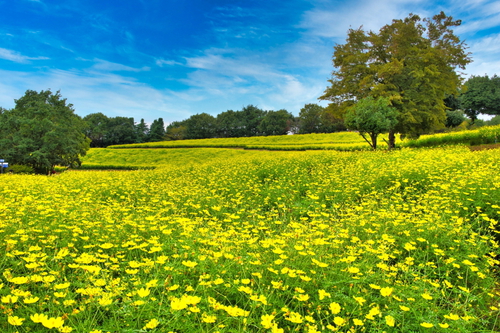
[276,123]
[20,169]
[157,131]
[411,63]
[371,117]
[200,126]
[42,131]
[314,118]
[454,118]
[483,135]
[482,96]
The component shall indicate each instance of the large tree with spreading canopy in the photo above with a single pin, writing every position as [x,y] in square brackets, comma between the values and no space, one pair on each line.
[411,61]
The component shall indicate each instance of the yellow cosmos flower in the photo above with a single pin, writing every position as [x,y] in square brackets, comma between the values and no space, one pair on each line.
[357,322]
[38,318]
[189,264]
[339,321]
[53,322]
[9,299]
[390,321]
[267,321]
[143,292]
[294,317]
[208,319]
[444,325]
[15,320]
[151,324]
[335,308]
[426,296]
[29,300]
[427,325]
[387,291]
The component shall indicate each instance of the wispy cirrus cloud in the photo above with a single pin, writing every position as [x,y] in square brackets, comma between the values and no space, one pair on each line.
[17,57]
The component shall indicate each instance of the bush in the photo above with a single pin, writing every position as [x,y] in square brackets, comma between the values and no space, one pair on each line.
[20,169]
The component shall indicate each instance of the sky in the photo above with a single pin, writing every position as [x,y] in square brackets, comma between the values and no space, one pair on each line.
[172,59]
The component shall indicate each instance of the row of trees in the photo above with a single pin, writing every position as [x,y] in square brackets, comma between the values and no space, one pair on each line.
[105,131]
[252,121]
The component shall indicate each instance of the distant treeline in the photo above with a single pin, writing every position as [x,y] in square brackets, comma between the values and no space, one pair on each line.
[250,121]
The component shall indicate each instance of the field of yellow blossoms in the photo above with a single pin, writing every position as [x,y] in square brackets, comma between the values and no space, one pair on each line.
[401,241]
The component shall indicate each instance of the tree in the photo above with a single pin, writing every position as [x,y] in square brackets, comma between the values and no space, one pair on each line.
[200,126]
[310,118]
[275,123]
[251,117]
[371,117]
[121,130]
[454,118]
[142,131]
[96,129]
[314,118]
[157,131]
[481,96]
[42,131]
[412,62]
[229,124]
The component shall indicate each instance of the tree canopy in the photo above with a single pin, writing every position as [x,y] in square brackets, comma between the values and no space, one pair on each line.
[42,131]
[372,117]
[411,61]
[481,96]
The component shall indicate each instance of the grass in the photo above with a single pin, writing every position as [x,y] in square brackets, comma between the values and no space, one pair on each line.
[255,241]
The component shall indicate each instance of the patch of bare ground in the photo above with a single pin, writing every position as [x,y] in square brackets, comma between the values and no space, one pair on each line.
[484,147]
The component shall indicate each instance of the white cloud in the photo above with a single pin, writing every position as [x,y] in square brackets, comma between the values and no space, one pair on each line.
[162,62]
[92,92]
[333,19]
[17,57]
[107,66]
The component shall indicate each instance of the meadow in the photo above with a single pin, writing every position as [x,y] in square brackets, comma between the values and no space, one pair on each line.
[255,241]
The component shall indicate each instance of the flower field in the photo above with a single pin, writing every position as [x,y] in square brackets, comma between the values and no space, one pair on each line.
[315,241]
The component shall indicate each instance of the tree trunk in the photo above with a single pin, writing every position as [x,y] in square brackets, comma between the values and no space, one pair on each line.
[374,140]
[392,140]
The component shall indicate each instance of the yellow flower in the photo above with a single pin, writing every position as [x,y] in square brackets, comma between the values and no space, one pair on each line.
[427,325]
[404,308]
[426,296]
[339,321]
[386,291]
[452,316]
[9,299]
[62,285]
[295,317]
[207,318]
[178,304]
[151,324]
[29,300]
[322,294]
[15,321]
[266,321]
[389,320]
[143,292]
[335,308]
[358,322]
[444,325]
[53,322]
[189,264]
[38,318]
[353,270]
[65,329]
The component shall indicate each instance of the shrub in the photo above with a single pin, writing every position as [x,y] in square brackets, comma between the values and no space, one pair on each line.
[20,169]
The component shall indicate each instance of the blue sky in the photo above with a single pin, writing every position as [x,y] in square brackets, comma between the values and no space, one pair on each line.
[175,58]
